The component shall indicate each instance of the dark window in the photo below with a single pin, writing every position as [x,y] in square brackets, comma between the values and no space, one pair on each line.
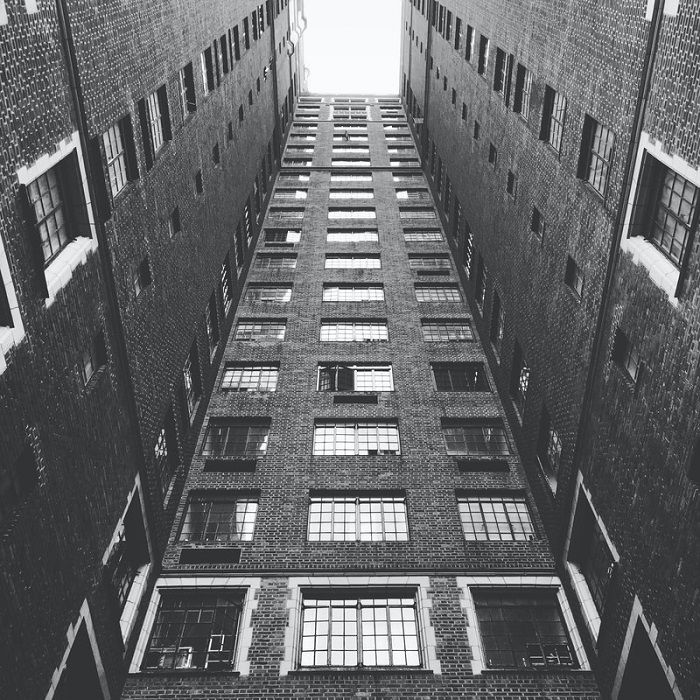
[523,91]
[229,132]
[154,116]
[499,71]
[590,554]
[511,184]
[198,182]
[355,378]
[208,71]
[17,482]
[219,519]
[188,100]
[458,33]
[573,277]
[549,449]
[666,209]
[519,378]
[174,223]
[165,453]
[495,518]
[246,33]
[463,376]
[223,43]
[694,464]
[475,438]
[236,44]
[469,43]
[142,276]
[493,154]
[596,154]
[477,129]
[468,254]
[5,310]
[192,380]
[231,438]
[216,154]
[625,355]
[195,630]
[366,639]
[497,322]
[522,628]
[553,115]
[483,55]
[454,96]
[212,322]
[464,112]
[537,222]
[240,113]
[94,358]
[254,22]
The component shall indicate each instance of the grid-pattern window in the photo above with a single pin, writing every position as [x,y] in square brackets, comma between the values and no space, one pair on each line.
[357,138]
[497,518]
[339,377]
[523,91]
[219,519]
[596,154]
[422,262]
[352,236]
[438,293]
[291,194]
[275,261]
[165,453]
[351,150]
[228,438]
[549,449]
[191,378]
[363,262]
[417,213]
[357,331]
[626,356]
[279,213]
[480,284]
[351,194]
[195,630]
[271,294]
[360,629]
[358,292]
[361,438]
[522,628]
[357,518]
[45,196]
[115,152]
[240,376]
[282,235]
[553,115]
[352,214]
[443,331]
[155,121]
[252,329]
[475,438]
[460,376]
[422,236]
[351,177]
[667,206]
[345,163]
[295,177]
[226,284]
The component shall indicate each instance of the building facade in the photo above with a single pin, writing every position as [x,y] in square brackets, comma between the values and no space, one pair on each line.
[562,144]
[138,150]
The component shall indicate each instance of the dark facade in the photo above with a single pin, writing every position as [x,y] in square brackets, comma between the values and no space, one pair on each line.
[563,146]
[138,149]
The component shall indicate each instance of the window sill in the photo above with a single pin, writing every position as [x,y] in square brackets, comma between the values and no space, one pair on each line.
[583,594]
[558,670]
[550,480]
[9,338]
[60,270]
[180,672]
[662,272]
[301,672]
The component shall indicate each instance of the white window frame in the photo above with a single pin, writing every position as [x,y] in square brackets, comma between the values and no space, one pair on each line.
[465,585]
[60,270]
[589,610]
[3,13]
[9,336]
[251,585]
[424,605]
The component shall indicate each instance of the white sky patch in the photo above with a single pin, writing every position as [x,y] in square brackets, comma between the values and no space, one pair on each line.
[353,46]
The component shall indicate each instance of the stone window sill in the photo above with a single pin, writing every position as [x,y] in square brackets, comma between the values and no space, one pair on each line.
[662,272]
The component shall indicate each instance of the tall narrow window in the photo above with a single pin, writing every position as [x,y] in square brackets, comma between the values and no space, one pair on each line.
[211,317]
[497,322]
[192,380]
[523,91]
[549,450]
[115,151]
[519,378]
[483,55]
[553,115]
[188,100]
[93,359]
[226,284]
[596,154]
[625,355]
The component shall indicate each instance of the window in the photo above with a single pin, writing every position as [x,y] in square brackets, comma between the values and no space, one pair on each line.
[512,184]
[282,235]
[364,262]
[198,183]
[93,359]
[477,130]
[351,177]
[519,378]
[155,123]
[480,284]
[216,154]
[438,293]
[116,154]
[275,261]
[219,518]
[523,91]
[360,292]
[499,72]
[596,154]
[343,163]
[446,330]
[236,44]
[553,115]
[357,518]
[463,376]
[174,222]
[291,194]
[265,330]
[379,628]
[231,438]
[352,236]
[495,518]
[523,628]
[458,33]
[208,71]
[589,559]
[666,209]
[549,449]
[573,277]
[337,377]
[195,629]
[226,284]
[493,155]
[240,376]
[413,194]
[422,235]
[469,43]
[192,380]
[165,453]
[18,482]
[352,214]
[417,213]
[354,331]
[351,194]
[483,55]
[211,318]
[464,112]
[362,438]
[468,253]
[142,276]
[279,294]
[422,262]
[625,355]
[246,33]
[537,223]
[475,438]
[497,322]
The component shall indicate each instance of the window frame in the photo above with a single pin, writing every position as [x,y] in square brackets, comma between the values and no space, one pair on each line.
[482,498]
[357,426]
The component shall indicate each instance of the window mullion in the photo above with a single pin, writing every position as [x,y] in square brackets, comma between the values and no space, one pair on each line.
[358,627]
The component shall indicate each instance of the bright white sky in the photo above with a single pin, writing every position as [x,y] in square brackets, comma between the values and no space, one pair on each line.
[353,46]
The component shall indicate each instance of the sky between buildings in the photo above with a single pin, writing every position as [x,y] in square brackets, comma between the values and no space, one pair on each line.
[353,46]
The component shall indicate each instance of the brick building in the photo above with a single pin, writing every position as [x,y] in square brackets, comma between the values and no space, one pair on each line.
[562,143]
